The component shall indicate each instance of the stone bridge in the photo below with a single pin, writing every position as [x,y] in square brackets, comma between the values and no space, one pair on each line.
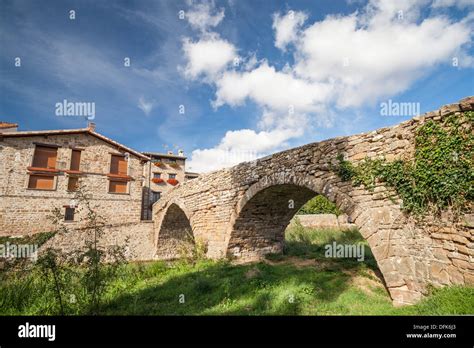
[242,212]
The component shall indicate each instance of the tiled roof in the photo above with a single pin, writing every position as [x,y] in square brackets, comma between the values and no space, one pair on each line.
[7,125]
[74,131]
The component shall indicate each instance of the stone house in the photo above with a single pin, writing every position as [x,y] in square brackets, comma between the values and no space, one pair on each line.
[162,173]
[40,171]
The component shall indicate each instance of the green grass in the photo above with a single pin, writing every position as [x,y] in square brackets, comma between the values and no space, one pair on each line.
[307,243]
[298,282]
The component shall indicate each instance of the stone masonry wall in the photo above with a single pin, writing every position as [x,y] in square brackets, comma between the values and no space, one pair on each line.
[243,211]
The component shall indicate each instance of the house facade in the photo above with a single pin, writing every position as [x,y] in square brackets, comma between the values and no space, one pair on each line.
[162,173]
[42,170]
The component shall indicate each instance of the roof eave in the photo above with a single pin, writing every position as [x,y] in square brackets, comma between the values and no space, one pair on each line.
[74,131]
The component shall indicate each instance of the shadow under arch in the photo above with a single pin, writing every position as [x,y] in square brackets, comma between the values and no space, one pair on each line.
[259,220]
[175,237]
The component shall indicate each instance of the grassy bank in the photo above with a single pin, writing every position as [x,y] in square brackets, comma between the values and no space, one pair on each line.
[299,282]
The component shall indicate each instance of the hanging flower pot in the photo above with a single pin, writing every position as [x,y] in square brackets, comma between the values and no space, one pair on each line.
[173,182]
[158,164]
[157,180]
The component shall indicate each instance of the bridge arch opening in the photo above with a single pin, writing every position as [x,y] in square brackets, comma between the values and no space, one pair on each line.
[264,212]
[260,225]
[175,237]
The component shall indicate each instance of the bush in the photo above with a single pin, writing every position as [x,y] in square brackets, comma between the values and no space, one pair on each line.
[319,205]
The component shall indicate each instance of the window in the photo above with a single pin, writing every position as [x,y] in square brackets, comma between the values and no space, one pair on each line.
[155,196]
[75,159]
[172,176]
[157,175]
[41,182]
[69,216]
[43,158]
[118,166]
[116,186]
[73,183]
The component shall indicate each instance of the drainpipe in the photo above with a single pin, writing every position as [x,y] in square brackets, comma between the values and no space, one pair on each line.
[149,187]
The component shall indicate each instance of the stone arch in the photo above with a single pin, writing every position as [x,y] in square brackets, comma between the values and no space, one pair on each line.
[175,237]
[264,211]
[261,216]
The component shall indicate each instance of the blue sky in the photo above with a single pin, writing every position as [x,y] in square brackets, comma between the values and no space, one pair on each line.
[254,77]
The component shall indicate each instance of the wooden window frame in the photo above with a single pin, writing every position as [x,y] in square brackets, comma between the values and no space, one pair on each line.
[43,171]
[127,189]
[32,163]
[33,174]
[69,177]
[118,177]
[112,155]
[66,214]
[78,169]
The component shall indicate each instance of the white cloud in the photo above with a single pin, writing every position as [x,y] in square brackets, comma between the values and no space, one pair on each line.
[145,106]
[381,59]
[275,90]
[457,3]
[339,62]
[207,56]
[239,146]
[286,27]
[202,16]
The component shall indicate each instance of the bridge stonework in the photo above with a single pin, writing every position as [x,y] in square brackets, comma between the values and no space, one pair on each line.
[243,211]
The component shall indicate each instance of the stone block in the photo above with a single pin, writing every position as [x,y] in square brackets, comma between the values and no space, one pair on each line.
[449,109]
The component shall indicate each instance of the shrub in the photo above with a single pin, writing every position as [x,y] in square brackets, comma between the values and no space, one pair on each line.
[319,205]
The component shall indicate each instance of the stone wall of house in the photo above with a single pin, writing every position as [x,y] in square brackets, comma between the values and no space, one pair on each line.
[24,211]
[165,169]
[243,211]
